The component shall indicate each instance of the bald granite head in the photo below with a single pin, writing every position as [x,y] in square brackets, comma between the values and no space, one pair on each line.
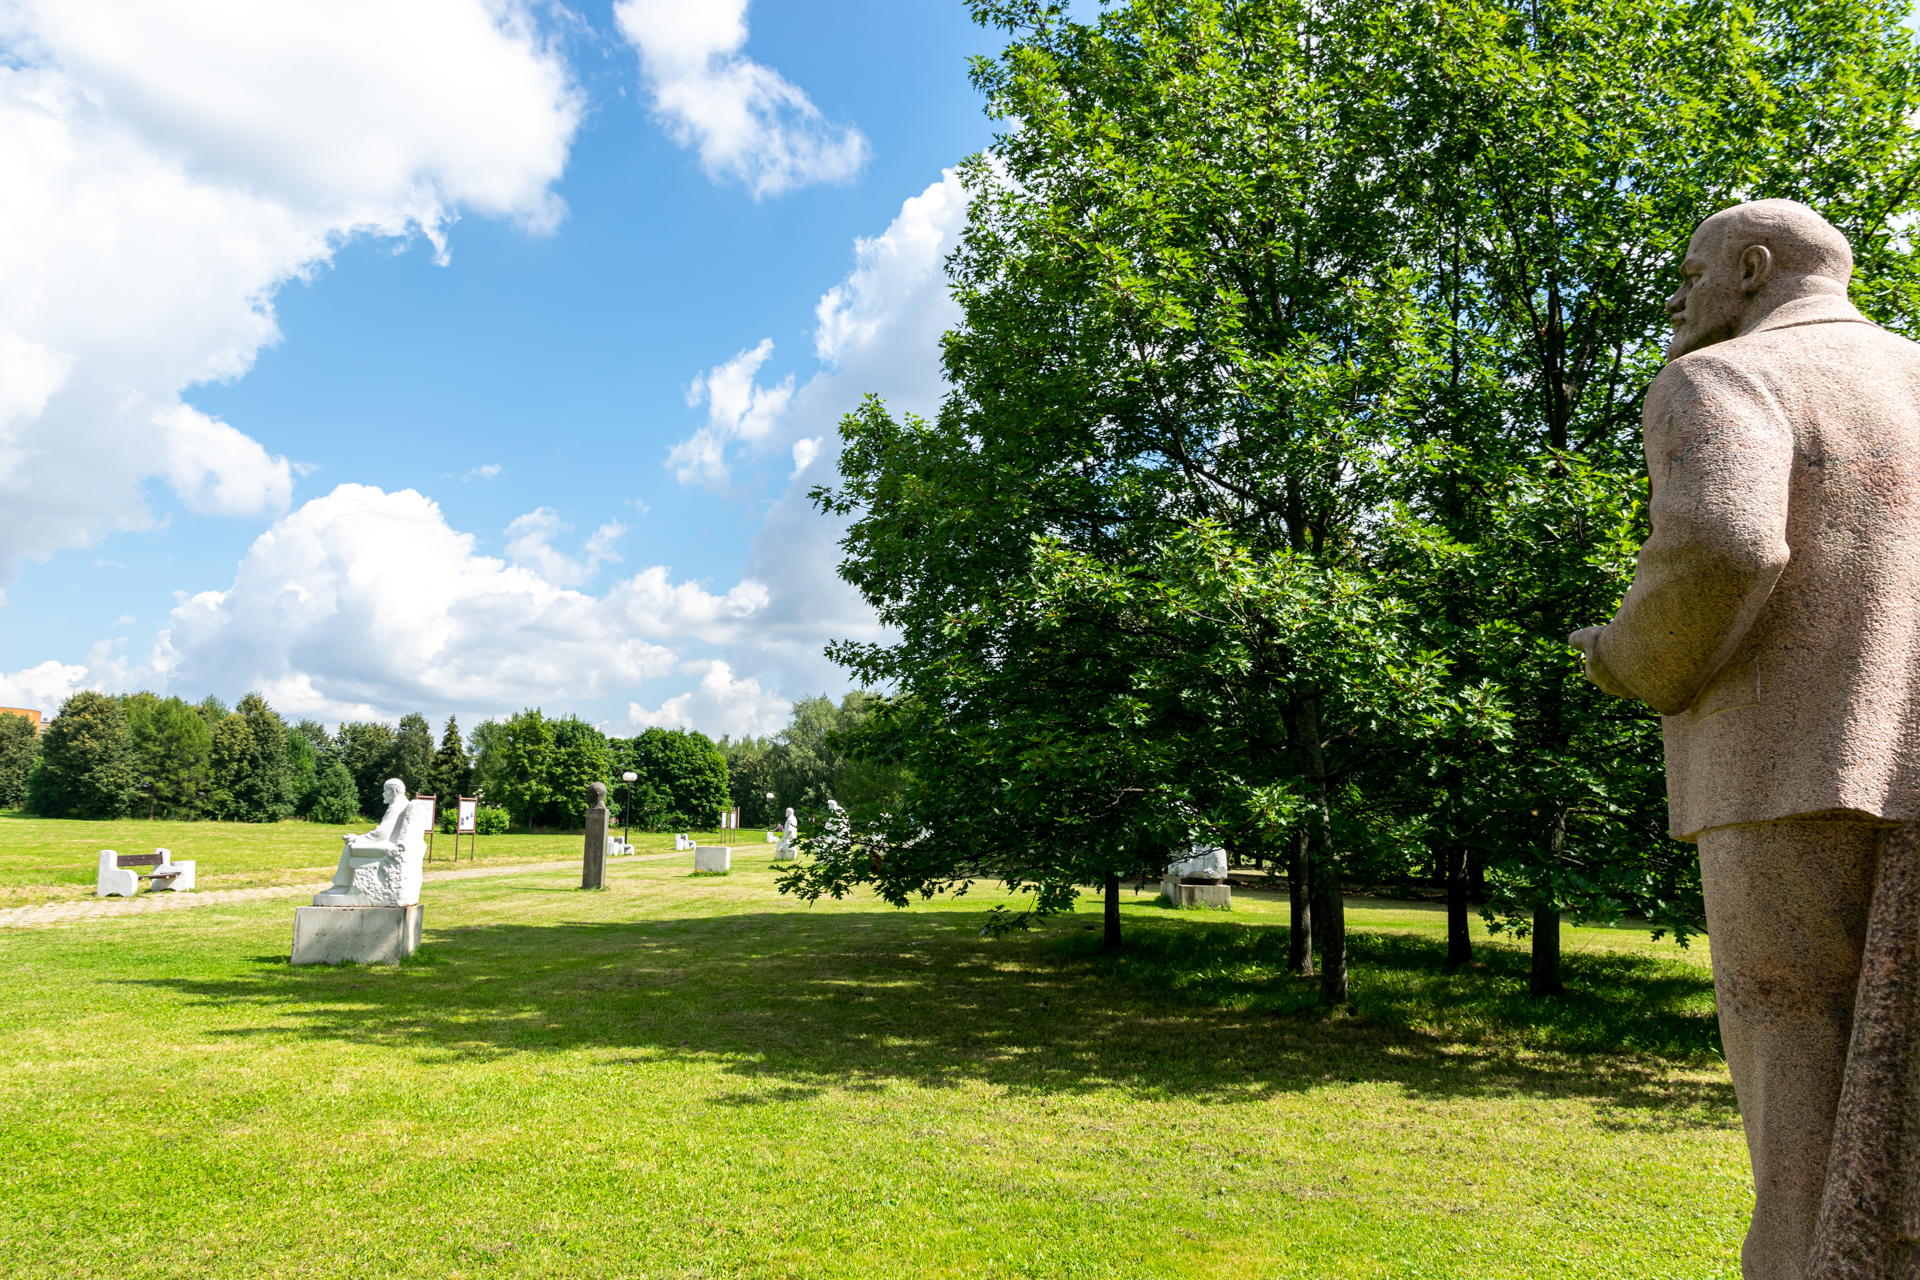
[1745,262]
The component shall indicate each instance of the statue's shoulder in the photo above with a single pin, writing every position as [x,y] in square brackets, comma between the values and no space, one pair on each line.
[1721,369]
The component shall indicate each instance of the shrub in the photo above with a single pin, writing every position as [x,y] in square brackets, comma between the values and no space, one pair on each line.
[486,822]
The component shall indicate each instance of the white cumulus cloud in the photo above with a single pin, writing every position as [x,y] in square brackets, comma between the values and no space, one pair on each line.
[738,409]
[877,332]
[723,704]
[44,687]
[165,168]
[748,122]
[365,603]
[530,544]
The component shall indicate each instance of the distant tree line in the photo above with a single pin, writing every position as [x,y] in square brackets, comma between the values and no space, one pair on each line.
[805,765]
[139,754]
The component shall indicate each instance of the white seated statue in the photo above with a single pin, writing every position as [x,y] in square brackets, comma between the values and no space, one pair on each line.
[382,867]
[789,835]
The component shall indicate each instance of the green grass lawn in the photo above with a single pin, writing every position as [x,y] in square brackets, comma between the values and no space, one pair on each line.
[688,1076]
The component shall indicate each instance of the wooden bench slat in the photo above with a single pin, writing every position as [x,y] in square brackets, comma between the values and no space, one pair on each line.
[139,859]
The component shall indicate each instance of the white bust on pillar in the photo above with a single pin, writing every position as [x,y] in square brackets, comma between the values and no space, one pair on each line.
[382,867]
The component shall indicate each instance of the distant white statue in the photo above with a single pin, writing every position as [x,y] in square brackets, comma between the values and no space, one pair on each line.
[789,836]
[382,867]
[1203,862]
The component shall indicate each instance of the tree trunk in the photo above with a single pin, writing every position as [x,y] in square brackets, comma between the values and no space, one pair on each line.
[1300,906]
[1544,980]
[1330,923]
[1111,944]
[1459,941]
[1329,908]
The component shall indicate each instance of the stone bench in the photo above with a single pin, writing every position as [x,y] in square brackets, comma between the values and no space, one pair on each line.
[115,878]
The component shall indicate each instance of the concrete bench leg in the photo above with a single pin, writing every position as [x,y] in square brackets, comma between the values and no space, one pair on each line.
[112,882]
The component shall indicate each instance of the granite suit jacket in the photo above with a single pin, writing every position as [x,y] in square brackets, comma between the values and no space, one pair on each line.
[1774,616]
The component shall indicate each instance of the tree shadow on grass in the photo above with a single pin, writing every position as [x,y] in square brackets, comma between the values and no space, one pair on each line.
[798,1002]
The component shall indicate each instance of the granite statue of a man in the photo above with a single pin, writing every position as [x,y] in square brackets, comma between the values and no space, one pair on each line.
[1774,622]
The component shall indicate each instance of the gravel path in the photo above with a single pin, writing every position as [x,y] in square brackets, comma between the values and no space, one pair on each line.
[96,908]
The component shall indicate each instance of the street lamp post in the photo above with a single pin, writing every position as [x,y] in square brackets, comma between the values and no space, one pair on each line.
[626,828]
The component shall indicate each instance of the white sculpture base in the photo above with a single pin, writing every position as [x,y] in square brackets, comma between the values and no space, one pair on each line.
[355,935]
[712,857]
[1218,896]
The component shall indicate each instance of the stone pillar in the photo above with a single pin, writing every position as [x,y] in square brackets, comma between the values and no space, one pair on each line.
[593,868]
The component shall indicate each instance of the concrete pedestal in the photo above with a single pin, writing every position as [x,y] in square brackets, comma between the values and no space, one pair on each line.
[712,857]
[1217,896]
[355,935]
[593,866]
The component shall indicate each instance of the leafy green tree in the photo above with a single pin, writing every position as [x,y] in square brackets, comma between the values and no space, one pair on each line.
[579,758]
[1116,738]
[212,710]
[227,762]
[336,799]
[452,772]
[19,749]
[683,779]
[368,751]
[523,773]
[171,748]
[303,773]
[140,708]
[750,778]
[485,750]
[413,753]
[1371,291]
[1184,299]
[260,788]
[1553,200]
[84,770]
[810,763]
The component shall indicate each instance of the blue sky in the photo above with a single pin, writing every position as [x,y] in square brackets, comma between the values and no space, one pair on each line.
[464,363]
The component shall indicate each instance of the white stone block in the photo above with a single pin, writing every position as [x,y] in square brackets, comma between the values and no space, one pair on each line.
[712,857]
[355,935]
[1202,864]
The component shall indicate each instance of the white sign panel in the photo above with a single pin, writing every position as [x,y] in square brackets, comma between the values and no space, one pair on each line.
[467,808]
